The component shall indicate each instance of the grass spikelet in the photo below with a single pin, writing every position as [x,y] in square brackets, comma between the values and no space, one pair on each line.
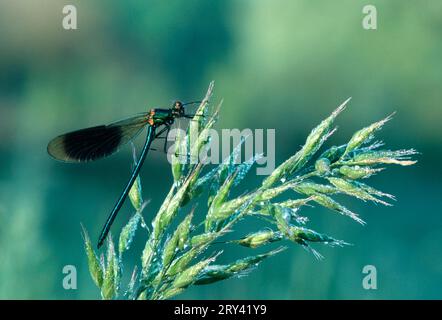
[352,189]
[164,217]
[181,263]
[199,137]
[364,135]
[310,188]
[132,283]
[215,273]
[296,204]
[95,268]
[329,203]
[400,157]
[179,156]
[178,239]
[213,213]
[128,232]
[373,191]
[304,234]
[135,192]
[170,293]
[111,274]
[334,153]
[202,240]
[188,276]
[357,172]
[259,238]
[270,193]
[227,209]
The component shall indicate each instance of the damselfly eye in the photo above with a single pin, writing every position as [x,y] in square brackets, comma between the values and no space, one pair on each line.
[178,105]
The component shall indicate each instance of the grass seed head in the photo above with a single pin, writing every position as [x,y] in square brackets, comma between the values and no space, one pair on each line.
[173,261]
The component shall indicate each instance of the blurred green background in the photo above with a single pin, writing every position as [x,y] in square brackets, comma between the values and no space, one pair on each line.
[277,64]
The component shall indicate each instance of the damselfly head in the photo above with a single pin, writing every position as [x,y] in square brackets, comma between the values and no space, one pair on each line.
[178,108]
[178,105]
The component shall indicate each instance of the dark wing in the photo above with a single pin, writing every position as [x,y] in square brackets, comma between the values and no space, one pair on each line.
[97,142]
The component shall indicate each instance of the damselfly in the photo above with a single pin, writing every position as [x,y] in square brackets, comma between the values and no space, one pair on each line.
[94,143]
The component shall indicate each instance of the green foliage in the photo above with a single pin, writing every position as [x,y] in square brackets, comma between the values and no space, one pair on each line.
[175,258]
